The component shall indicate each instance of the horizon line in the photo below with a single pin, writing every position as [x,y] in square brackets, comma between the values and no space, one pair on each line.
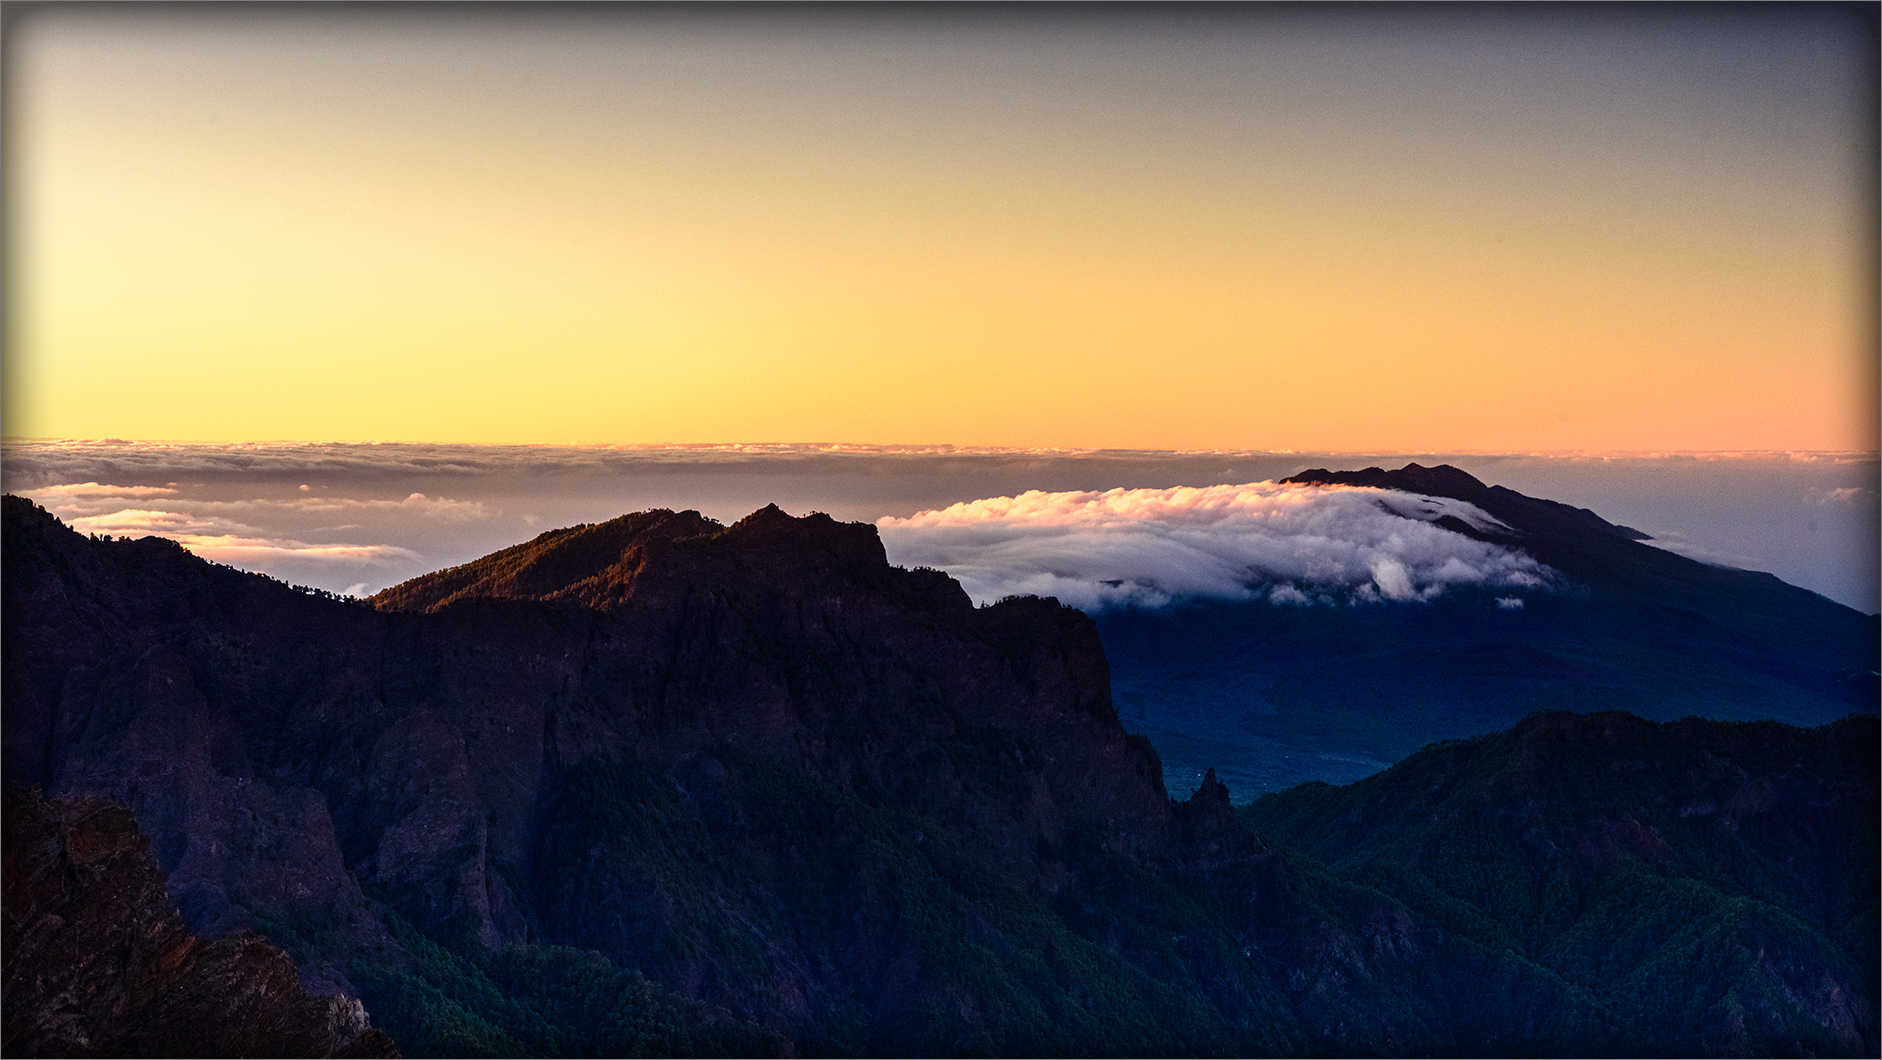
[758,448]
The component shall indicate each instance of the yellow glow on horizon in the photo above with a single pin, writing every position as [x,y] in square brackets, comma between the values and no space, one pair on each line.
[327,281]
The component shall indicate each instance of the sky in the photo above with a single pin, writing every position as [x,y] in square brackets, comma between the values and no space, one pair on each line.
[1343,228]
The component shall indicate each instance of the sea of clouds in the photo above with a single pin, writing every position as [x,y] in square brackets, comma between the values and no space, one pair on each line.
[256,533]
[1288,544]
[357,517]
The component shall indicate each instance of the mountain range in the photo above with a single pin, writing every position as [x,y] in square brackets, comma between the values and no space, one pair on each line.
[658,785]
[1272,696]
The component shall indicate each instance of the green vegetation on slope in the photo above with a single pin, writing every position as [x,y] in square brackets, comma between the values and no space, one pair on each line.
[1713,885]
[536,1001]
[767,884]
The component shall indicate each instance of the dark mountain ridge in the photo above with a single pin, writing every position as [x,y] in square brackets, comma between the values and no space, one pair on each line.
[659,785]
[1335,693]
[1609,559]
[1642,862]
[300,760]
[786,637]
[594,565]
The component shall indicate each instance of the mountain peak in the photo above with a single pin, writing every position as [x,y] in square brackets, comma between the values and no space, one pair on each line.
[601,565]
[1532,516]
[592,563]
[1440,481]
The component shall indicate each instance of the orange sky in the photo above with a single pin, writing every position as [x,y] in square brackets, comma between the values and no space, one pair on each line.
[1387,231]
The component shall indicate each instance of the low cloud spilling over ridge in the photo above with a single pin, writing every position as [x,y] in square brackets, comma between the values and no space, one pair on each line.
[1812,519]
[1289,544]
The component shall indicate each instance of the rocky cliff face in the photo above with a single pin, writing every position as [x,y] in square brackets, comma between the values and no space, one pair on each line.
[98,962]
[283,750]
[298,759]
[664,786]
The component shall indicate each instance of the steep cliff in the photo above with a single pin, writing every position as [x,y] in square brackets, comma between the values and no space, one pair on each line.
[98,962]
[663,786]
[299,760]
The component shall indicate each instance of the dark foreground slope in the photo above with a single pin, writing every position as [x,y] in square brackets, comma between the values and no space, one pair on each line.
[98,962]
[660,786]
[1274,695]
[1712,886]
[816,801]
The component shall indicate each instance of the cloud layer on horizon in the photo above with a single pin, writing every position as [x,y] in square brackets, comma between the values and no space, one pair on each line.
[36,464]
[1288,544]
[1812,519]
[225,531]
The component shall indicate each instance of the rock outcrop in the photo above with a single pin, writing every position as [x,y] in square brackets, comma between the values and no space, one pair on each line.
[306,760]
[98,962]
[282,749]
[664,786]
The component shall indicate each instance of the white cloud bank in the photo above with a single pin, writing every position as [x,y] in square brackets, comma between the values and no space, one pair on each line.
[96,489]
[1289,544]
[226,541]
[206,528]
[1809,518]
